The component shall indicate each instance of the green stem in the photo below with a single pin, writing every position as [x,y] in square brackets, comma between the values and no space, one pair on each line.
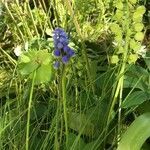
[57,126]
[64,103]
[13,61]
[119,112]
[58,138]
[29,111]
[121,75]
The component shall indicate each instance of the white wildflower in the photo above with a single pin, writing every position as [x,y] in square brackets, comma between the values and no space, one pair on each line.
[26,46]
[115,43]
[17,50]
[142,51]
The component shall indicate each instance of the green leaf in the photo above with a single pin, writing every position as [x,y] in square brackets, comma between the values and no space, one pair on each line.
[43,74]
[39,61]
[133,81]
[134,99]
[27,68]
[43,57]
[24,58]
[137,77]
[136,134]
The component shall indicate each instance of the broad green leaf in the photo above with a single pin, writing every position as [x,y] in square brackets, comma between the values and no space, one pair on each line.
[43,74]
[134,81]
[137,77]
[39,61]
[136,134]
[139,71]
[135,98]
[27,68]
[43,57]
[24,58]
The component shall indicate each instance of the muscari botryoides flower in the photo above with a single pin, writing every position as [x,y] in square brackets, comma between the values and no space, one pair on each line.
[62,50]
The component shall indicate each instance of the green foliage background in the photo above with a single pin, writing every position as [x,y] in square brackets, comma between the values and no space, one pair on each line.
[99,100]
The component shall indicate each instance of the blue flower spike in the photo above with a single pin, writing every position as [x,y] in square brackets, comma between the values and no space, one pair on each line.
[57,52]
[71,53]
[66,49]
[65,59]
[62,49]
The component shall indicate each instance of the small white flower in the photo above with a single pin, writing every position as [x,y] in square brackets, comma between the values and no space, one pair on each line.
[142,51]
[26,46]
[115,43]
[17,50]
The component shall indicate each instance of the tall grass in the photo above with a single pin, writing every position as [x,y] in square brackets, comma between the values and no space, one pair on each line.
[90,102]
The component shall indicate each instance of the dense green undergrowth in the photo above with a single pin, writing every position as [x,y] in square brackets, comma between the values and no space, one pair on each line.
[97,100]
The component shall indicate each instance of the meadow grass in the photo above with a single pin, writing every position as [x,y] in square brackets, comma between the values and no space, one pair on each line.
[95,99]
